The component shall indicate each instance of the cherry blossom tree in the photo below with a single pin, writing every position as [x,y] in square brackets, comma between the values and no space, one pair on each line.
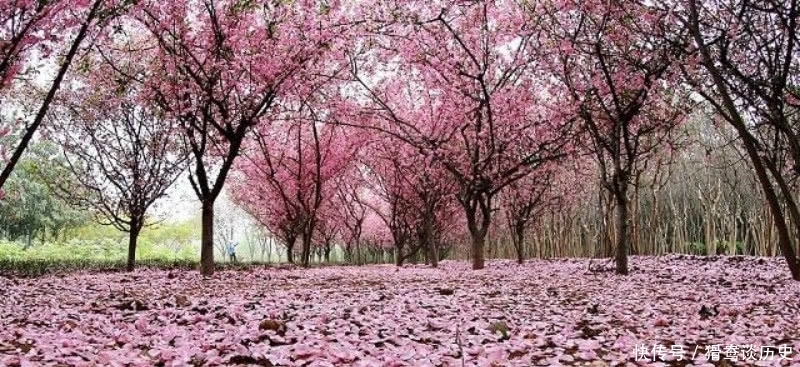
[416,197]
[270,208]
[352,204]
[391,209]
[33,34]
[376,241]
[297,157]
[746,69]
[456,80]
[328,229]
[551,187]
[224,65]
[121,151]
[351,199]
[618,76]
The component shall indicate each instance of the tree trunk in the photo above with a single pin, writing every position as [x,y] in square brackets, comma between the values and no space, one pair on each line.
[433,254]
[29,240]
[519,237]
[622,234]
[778,218]
[358,251]
[606,212]
[327,253]
[133,237]
[348,253]
[749,143]
[207,239]
[398,255]
[306,253]
[478,228]
[477,252]
[290,249]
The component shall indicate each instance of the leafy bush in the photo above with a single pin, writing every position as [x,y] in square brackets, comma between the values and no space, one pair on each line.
[90,254]
[698,248]
[32,209]
[20,267]
[722,248]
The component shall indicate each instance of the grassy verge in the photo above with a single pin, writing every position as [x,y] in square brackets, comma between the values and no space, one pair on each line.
[90,255]
[24,268]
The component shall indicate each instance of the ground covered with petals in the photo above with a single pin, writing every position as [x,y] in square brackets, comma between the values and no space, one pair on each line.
[544,313]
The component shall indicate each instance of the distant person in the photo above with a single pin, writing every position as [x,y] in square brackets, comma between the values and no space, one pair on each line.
[232,251]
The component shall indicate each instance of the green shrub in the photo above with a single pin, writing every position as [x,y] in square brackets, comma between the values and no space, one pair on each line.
[722,248]
[697,248]
[90,254]
[39,267]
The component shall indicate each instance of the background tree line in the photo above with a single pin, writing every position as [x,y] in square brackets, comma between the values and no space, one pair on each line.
[401,131]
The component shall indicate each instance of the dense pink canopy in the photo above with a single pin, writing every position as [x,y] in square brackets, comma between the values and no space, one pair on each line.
[470,100]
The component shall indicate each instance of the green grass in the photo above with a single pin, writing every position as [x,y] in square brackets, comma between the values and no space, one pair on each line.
[37,267]
[103,249]
[107,254]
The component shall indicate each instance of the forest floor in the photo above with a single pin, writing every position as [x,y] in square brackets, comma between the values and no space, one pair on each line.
[683,311]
